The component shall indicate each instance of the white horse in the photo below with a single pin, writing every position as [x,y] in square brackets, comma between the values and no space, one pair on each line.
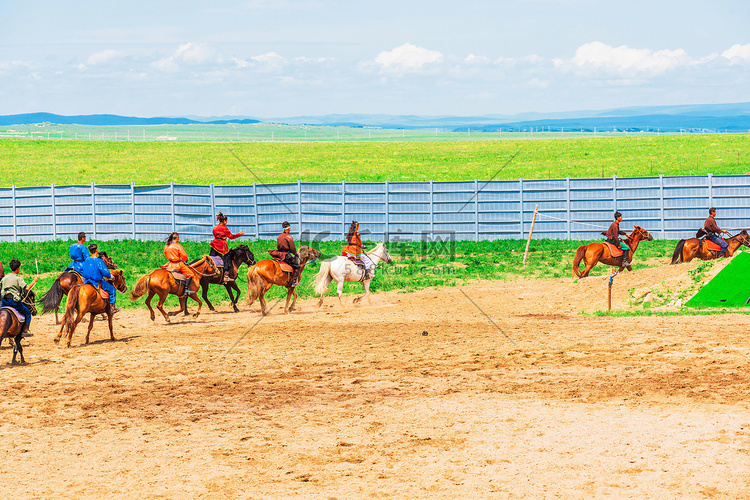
[340,269]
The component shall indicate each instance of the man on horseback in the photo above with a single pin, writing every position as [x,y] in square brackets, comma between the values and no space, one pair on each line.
[94,271]
[219,247]
[356,250]
[12,287]
[613,237]
[286,250]
[713,232]
[78,253]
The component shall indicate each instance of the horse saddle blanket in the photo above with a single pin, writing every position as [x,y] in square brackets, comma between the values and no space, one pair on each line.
[178,276]
[355,260]
[104,294]
[19,316]
[615,251]
[284,266]
[218,260]
[710,245]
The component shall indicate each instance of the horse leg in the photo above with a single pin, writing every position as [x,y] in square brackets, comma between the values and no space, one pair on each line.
[160,305]
[204,294]
[183,306]
[234,298]
[294,299]
[109,318]
[18,349]
[91,326]
[148,304]
[340,292]
[288,296]
[194,296]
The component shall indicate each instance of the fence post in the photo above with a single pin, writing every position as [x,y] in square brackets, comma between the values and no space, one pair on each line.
[343,206]
[54,214]
[213,205]
[299,210]
[476,210]
[387,211]
[614,193]
[661,205]
[567,203]
[255,209]
[174,218]
[93,210]
[520,197]
[132,205]
[710,190]
[432,210]
[15,219]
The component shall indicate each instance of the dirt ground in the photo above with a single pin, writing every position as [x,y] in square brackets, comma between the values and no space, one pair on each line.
[490,390]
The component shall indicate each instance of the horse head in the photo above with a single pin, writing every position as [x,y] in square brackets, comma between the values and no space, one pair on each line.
[307,254]
[107,260]
[644,235]
[245,255]
[118,281]
[743,238]
[29,300]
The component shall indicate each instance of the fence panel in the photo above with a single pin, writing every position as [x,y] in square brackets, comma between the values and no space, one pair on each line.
[669,207]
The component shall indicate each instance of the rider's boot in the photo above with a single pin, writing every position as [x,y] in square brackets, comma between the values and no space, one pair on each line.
[188,281]
[625,262]
[114,307]
[295,277]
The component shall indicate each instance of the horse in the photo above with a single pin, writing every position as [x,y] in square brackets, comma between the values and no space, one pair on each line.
[340,269]
[84,298]
[10,326]
[596,252]
[232,262]
[162,283]
[267,272]
[52,298]
[687,250]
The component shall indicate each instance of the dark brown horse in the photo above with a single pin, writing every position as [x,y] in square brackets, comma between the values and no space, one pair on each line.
[267,272]
[596,252]
[232,262]
[84,299]
[52,298]
[687,250]
[162,283]
[10,326]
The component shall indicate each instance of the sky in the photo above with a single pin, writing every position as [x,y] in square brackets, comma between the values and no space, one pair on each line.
[283,58]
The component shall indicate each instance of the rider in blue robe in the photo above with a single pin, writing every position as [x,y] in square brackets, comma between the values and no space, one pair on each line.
[94,271]
[78,253]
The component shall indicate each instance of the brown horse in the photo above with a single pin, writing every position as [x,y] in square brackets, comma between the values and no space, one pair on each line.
[687,250]
[10,326]
[84,299]
[52,298]
[596,252]
[267,272]
[162,283]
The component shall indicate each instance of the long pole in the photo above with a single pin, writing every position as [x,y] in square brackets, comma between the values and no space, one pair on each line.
[531,231]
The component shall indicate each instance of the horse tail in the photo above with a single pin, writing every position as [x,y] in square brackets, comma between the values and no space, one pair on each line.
[140,288]
[323,278]
[580,254]
[254,284]
[677,255]
[51,299]
[68,320]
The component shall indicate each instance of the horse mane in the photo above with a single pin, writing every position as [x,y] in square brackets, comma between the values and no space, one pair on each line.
[195,261]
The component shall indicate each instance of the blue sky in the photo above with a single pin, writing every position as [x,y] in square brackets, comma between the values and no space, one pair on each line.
[276,58]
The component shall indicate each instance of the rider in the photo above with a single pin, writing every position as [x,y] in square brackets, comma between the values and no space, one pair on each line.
[219,246]
[613,237]
[177,258]
[79,253]
[356,249]
[12,286]
[285,245]
[713,231]
[94,271]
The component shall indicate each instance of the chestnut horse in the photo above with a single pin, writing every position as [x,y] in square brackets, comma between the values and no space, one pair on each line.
[52,298]
[687,250]
[162,283]
[267,272]
[596,252]
[84,299]
[10,326]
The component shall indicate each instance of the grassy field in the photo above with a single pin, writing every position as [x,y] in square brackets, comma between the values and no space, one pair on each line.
[415,266]
[42,162]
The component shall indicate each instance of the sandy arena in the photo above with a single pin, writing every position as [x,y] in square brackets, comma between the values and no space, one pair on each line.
[417,396]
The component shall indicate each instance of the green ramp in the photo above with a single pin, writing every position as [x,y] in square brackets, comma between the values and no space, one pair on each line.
[729,288]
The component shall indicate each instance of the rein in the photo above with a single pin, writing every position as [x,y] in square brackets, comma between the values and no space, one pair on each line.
[203,259]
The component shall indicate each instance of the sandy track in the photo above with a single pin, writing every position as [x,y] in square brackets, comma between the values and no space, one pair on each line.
[360,404]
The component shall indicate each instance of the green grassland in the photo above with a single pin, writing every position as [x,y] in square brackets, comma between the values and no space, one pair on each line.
[415,265]
[42,162]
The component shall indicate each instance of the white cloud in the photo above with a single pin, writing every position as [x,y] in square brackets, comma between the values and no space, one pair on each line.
[473,59]
[192,53]
[738,54]
[408,57]
[624,59]
[104,56]
[269,58]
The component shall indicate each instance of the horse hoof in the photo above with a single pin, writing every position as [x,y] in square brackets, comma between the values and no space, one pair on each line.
[56,341]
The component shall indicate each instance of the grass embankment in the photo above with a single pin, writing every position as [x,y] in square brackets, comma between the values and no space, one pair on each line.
[42,162]
[415,266]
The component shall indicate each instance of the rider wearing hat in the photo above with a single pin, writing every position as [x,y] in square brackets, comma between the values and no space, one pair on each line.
[94,270]
[713,232]
[12,287]
[177,258]
[613,237]
[288,251]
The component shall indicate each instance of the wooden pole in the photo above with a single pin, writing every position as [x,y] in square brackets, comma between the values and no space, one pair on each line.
[531,231]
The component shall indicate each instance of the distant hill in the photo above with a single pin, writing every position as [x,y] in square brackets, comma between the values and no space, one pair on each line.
[733,117]
[31,118]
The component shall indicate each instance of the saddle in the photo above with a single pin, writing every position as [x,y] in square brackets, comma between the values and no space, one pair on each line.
[277,257]
[615,251]
[18,315]
[710,245]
